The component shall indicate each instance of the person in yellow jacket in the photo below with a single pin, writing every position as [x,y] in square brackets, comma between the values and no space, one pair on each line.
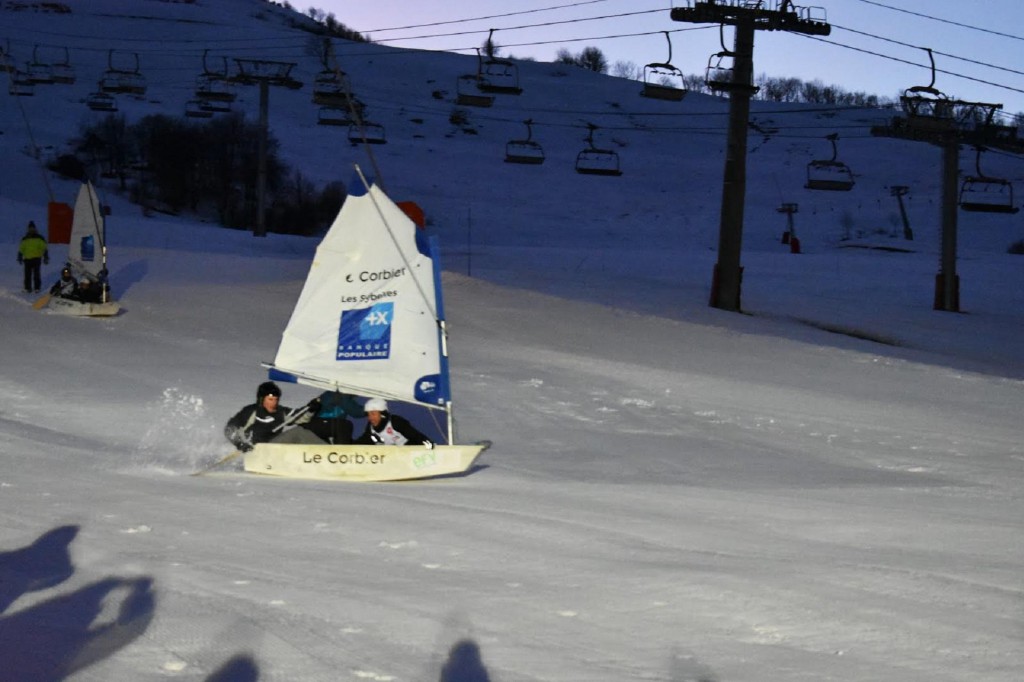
[32,251]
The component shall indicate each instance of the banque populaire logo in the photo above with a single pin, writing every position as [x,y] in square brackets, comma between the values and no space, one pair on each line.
[365,333]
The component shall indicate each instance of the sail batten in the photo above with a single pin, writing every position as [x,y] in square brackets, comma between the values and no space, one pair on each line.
[366,319]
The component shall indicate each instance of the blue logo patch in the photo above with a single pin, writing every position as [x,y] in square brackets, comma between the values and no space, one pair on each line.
[365,333]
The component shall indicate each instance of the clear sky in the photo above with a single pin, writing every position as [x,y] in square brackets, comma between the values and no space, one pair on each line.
[874,46]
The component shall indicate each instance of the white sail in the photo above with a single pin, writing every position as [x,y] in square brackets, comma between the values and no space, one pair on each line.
[87,248]
[369,319]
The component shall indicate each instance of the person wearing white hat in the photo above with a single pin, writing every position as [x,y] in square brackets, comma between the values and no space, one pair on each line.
[384,428]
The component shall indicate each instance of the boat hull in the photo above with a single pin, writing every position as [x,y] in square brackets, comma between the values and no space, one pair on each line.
[66,306]
[360,462]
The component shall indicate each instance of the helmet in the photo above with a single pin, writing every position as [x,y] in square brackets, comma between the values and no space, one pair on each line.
[376,405]
[265,389]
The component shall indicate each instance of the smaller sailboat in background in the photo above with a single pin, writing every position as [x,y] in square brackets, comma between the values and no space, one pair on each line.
[87,259]
[370,322]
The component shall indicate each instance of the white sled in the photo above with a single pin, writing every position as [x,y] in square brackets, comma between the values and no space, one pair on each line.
[67,306]
[361,462]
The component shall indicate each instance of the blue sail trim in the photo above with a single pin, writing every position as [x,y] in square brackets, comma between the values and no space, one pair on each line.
[423,245]
[429,390]
[444,390]
[277,375]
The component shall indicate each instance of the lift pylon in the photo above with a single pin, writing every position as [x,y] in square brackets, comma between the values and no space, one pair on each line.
[747,17]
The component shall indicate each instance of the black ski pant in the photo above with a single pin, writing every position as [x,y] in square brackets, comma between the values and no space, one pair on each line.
[33,275]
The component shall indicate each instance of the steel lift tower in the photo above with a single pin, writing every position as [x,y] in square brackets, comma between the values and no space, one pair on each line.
[746,17]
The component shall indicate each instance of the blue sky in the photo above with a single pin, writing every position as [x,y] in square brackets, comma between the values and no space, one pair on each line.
[874,46]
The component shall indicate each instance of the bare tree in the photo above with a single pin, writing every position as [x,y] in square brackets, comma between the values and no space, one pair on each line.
[627,69]
[592,58]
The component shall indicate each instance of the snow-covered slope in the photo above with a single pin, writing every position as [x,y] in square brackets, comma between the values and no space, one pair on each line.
[825,488]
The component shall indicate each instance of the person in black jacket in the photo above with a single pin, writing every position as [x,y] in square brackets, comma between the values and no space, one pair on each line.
[66,286]
[266,420]
[384,428]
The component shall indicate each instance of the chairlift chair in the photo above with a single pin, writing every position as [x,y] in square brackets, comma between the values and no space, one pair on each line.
[497,75]
[594,161]
[101,101]
[333,116]
[330,88]
[212,88]
[927,109]
[987,195]
[720,75]
[63,73]
[367,133]
[197,108]
[21,84]
[468,93]
[829,174]
[983,194]
[215,86]
[40,72]
[217,106]
[500,76]
[123,81]
[524,151]
[660,79]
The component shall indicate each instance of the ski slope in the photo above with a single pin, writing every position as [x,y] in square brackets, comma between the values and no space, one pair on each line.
[826,487]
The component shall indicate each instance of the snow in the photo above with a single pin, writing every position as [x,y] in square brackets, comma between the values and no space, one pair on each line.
[825,487]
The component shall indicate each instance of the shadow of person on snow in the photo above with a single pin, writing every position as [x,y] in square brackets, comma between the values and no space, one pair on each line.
[53,639]
[464,664]
[239,669]
[41,565]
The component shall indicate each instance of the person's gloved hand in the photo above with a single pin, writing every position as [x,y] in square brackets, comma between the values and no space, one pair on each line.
[19,258]
[429,445]
[313,405]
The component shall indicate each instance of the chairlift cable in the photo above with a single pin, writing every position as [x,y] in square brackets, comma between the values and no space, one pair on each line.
[905,61]
[944,54]
[32,140]
[944,21]
[511,14]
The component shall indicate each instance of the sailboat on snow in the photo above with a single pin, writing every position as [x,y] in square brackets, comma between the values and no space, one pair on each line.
[87,258]
[369,321]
